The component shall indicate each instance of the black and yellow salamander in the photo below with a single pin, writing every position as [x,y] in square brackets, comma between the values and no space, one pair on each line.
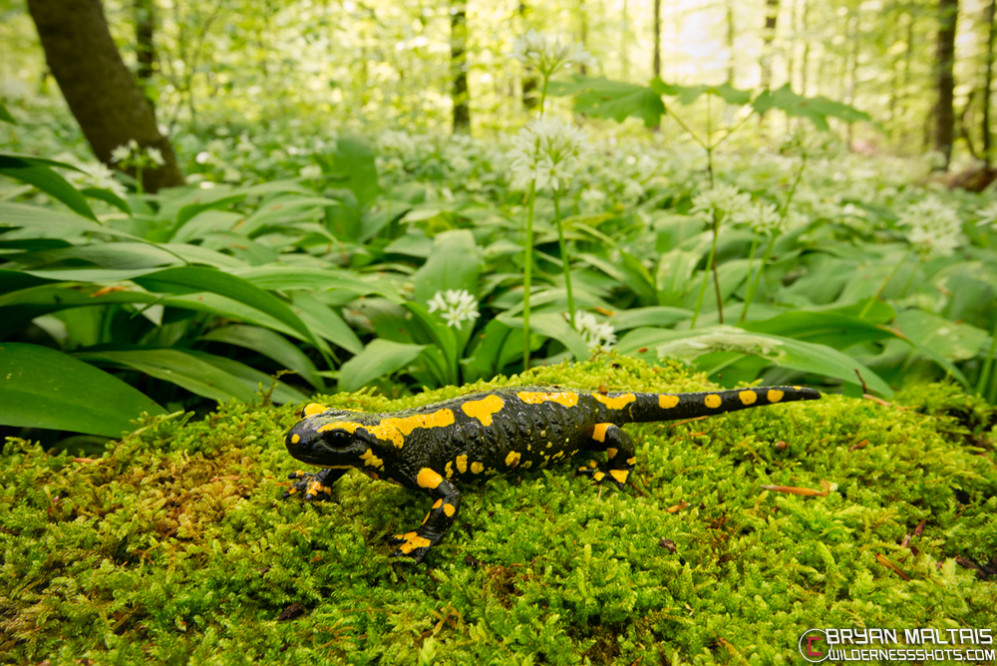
[436,447]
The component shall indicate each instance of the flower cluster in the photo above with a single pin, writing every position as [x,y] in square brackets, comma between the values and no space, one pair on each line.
[600,337]
[547,151]
[547,54]
[932,227]
[132,155]
[724,200]
[455,306]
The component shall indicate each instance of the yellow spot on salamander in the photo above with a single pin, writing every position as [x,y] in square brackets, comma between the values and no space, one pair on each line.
[747,397]
[413,541]
[611,452]
[599,432]
[313,408]
[438,503]
[450,510]
[484,409]
[370,460]
[713,401]
[448,469]
[477,467]
[632,460]
[295,438]
[566,398]
[774,395]
[619,402]
[666,401]
[428,478]
[512,459]
[619,474]
[462,463]
[406,424]
[598,476]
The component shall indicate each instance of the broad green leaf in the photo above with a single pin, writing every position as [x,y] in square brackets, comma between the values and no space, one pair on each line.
[784,352]
[353,162]
[833,329]
[600,97]
[496,347]
[107,196]
[44,388]
[444,338]
[178,367]
[124,255]
[941,340]
[53,223]
[815,109]
[190,211]
[5,115]
[551,325]
[256,381]
[689,94]
[317,279]
[659,315]
[325,322]
[49,182]
[454,263]
[271,344]
[379,358]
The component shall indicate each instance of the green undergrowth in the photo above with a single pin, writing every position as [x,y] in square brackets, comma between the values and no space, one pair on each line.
[174,547]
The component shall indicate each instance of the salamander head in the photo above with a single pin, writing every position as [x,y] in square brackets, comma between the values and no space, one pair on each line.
[330,439]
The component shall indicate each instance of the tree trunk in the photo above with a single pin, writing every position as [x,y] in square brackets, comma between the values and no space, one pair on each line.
[768,39]
[145,51]
[948,12]
[583,33]
[102,93]
[988,78]
[531,82]
[656,58]
[458,68]
[805,58]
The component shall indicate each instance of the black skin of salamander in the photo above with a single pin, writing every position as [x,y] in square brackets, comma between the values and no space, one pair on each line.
[434,448]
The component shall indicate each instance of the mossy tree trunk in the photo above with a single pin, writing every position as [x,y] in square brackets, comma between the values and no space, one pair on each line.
[101,91]
[145,50]
[458,68]
[988,78]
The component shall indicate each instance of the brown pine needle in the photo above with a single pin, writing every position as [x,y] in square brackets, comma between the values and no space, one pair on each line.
[890,565]
[806,492]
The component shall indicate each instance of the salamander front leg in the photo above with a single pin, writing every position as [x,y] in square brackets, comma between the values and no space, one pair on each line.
[313,486]
[441,516]
[620,454]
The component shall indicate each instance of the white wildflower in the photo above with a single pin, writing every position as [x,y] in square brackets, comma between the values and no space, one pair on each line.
[103,178]
[593,196]
[547,54]
[600,337]
[932,227]
[987,215]
[311,172]
[455,306]
[156,155]
[546,151]
[763,218]
[725,200]
[121,153]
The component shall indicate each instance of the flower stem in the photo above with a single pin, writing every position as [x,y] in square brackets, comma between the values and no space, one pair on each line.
[706,273]
[757,277]
[528,273]
[565,263]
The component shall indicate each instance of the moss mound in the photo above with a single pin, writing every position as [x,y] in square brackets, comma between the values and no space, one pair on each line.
[174,547]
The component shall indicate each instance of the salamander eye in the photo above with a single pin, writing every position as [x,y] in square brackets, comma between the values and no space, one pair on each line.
[337,439]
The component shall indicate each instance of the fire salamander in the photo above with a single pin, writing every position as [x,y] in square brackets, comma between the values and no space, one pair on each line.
[432,449]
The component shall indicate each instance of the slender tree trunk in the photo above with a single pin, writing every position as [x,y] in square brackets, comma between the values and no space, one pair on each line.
[853,31]
[458,68]
[145,51]
[531,98]
[988,78]
[102,93]
[768,40]
[656,58]
[948,12]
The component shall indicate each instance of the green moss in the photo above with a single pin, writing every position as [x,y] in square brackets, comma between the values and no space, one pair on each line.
[174,546]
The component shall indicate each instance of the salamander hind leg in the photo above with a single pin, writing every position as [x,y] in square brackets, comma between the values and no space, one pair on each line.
[416,544]
[313,486]
[620,454]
